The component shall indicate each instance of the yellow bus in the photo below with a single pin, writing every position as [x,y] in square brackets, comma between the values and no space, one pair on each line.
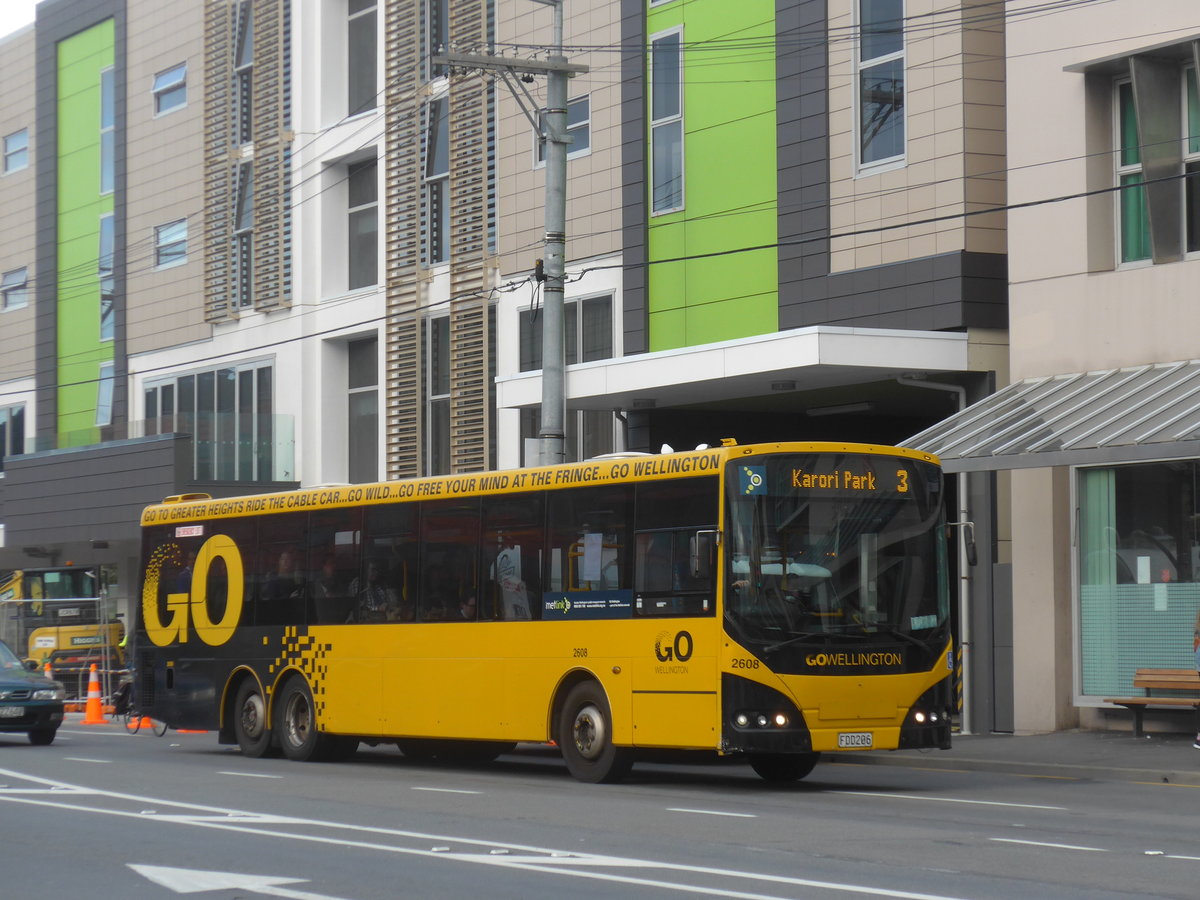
[773,601]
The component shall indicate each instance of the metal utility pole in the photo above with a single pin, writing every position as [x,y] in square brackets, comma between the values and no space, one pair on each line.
[552,126]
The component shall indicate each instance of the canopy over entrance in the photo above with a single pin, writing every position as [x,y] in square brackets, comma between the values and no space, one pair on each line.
[1101,417]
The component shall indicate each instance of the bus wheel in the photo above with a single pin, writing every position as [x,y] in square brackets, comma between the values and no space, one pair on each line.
[585,736]
[250,720]
[781,768]
[296,725]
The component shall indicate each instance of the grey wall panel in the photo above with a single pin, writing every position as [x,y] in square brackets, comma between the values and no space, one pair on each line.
[88,494]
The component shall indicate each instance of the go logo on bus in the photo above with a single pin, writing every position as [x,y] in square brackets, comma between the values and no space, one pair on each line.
[680,650]
[194,604]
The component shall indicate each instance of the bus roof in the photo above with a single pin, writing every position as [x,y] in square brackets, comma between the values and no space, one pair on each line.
[611,469]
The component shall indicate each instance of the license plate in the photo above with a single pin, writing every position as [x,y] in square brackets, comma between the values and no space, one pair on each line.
[11,712]
[858,740]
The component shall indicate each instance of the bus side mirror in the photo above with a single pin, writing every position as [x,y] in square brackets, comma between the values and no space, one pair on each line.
[700,554]
[968,539]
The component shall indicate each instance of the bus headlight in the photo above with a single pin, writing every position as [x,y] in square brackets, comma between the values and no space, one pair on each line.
[741,720]
[780,720]
[762,721]
[919,717]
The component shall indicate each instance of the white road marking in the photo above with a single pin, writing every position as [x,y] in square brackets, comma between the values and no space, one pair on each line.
[888,796]
[444,790]
[85,759]
[712,812]
[1048,844]
[544,860]
[197,881]
[249,774]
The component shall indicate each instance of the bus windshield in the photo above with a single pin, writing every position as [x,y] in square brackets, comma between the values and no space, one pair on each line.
[831,548]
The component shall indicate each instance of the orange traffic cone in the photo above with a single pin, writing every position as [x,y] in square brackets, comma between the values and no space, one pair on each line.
[47,671]
[93,713]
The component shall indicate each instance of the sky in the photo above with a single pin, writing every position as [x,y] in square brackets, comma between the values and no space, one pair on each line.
[14,14]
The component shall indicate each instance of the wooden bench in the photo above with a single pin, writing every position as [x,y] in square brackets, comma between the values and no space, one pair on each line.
[1151,680]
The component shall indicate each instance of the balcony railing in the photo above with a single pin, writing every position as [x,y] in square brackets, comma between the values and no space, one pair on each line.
[225,446]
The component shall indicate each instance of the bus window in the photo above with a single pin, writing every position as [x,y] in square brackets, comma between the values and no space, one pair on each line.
[449,560]
[665,581]
[333,563]
[511,558]
[281,558]
[390,540]
[588,548]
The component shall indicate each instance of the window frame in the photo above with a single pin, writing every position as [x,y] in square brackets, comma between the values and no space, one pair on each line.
[10,286]
[435,247]
[355,213]
[539,142]
[353,17]
[162,90]
[166,243]
[107,276]
[12,152]
[105,389]
[667,121]
[10,443]
[108,130]
[863,65]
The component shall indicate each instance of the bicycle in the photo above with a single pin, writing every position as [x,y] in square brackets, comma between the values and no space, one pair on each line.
[131,719]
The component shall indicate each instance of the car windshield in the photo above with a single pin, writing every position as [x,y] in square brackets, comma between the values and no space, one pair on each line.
[8,659]
[835,548]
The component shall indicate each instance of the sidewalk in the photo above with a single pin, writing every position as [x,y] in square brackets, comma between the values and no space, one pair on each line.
[1108,755]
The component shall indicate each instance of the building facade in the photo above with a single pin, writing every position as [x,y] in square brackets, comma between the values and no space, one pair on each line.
[1097,434]
[784,222]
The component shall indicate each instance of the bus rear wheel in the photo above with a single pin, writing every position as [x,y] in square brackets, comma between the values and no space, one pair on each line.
[585,737]
[250,720]
[780,768]
[296,725]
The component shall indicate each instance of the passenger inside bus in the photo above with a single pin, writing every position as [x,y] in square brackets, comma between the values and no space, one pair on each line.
[375,601]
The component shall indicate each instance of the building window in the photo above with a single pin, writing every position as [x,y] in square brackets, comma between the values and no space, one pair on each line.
[107,278]
[438,379]
[170,244]
[587,333]
[104,395]
[243,237]
[363,407]
[12,432]
[14,289]
[362,58]
[1133,202]
[1139,585]
[437,15]
[170,89]
[243,73]
[363,208]
[16,151]
[666,121]
[229,413]
[589,432]
[108,135]
[880,81]
[437,181]
[579,134]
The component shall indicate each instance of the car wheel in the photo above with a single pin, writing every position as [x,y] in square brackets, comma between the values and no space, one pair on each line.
[42,736]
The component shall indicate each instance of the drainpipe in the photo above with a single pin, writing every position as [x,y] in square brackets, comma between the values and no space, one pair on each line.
[964,570]
[624,438]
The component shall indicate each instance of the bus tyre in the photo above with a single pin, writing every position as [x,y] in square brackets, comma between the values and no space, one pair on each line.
[585,737]
[250,720]
[42,736]
[296,726]
[780,768]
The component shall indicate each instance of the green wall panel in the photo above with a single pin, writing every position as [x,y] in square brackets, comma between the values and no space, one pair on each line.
[81,59]
[729,180]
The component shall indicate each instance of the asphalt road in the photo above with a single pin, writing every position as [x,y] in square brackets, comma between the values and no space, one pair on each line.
[103,814]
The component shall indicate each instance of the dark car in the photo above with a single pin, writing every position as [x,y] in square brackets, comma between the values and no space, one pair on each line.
[29,701]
